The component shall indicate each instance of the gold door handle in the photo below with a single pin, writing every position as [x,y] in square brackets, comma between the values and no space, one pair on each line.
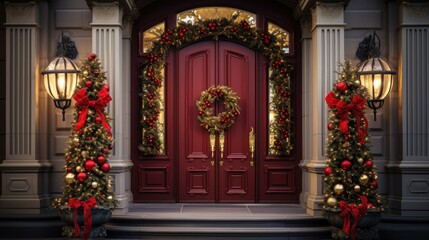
[221,146]
[252,146]
[212,147]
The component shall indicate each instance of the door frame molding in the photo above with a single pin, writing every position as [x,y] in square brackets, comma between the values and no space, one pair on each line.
[153,17]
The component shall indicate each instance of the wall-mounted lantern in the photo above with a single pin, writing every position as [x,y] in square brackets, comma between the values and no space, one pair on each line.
[374,73]
[61,75]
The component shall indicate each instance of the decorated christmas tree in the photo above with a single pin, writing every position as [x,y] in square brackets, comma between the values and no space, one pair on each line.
[350,175]
[86,182]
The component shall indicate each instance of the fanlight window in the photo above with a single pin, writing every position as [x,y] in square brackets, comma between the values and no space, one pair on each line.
[152,35]
[282,37]
[199,14]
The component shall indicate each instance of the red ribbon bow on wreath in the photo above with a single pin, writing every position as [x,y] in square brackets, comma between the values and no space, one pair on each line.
[83,102]
[351,210]
[75,203]
[356,107]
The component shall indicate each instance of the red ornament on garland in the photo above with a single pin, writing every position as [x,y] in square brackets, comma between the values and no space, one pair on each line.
[82,176]
[88,84]
[374,184]
[341,86]
[346,164]
[89,165]
[107,87]
[369,164]
[330,126]
[101,159]
[98,119]
[105,167]
[327,171]
[69,169]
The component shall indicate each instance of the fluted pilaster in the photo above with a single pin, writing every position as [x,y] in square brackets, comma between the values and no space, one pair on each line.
[24,176]
[328,52]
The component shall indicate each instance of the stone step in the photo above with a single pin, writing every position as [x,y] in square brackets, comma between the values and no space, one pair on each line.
[218,227]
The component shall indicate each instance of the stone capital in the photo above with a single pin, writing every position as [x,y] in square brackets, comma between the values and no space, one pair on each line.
[106,13]
[414,14]
[22,13]
[327,14]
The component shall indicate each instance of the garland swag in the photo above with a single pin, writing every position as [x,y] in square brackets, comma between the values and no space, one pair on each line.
[279,79]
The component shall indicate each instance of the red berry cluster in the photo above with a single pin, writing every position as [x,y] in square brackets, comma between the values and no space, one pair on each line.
[277,63]
[203,31]
[183,31]
[212,26]
[244,24]
[166,37]
[152,120]
[266,38]
[152,58]
[234,29]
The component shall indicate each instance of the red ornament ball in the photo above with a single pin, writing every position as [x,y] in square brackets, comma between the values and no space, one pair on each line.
[369,164]
[82,176]
[374,184]
[101,159]
[346,164]
[328,171]
[98,119]
[110,146]
[105,167]
[370,205]
[341,86]
[88,84]
[89,165]
[69,169]
[330,126]
[106,87]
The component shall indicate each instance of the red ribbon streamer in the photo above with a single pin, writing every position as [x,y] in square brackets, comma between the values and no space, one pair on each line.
[75,203]
[356,107]
[351,210]
[83,102]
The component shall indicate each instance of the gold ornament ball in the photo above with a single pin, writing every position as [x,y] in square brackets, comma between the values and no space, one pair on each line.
[356,188]
[78,169]
[76,140]
[94,184]
[84,153]
[109,197]
[69,178]
[331,201]
[363,179]
[346,145]
[357,83]
[360,161]
[338,188]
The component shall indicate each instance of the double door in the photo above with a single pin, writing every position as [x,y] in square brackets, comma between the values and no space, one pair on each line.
[227,176]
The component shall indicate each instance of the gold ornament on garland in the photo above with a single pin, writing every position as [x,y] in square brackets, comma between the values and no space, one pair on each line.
[205,108]
[94,184]
[185,33]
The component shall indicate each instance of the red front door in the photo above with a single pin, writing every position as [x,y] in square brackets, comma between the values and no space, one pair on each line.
[231,178]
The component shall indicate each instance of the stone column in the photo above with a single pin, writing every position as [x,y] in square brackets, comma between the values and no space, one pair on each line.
[107,43]
[410,175]
[24,173]
[328,52]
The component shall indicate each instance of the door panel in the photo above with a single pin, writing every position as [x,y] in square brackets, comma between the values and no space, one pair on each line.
[236,175]
[196,175]
[200,66]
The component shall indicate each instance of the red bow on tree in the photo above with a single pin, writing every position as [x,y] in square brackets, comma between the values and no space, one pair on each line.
[75,203]
[351,210]
[356,107]
[83,102]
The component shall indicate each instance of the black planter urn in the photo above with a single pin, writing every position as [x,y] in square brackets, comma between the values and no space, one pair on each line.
[100,215]
[365,228]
